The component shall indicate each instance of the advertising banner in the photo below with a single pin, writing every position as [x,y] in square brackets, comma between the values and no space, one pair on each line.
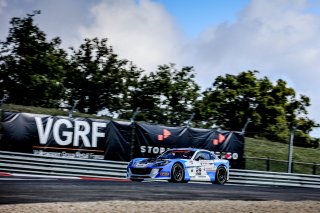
[153,140]
[110,140]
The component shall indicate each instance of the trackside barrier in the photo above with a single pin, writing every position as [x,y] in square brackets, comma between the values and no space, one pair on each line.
[12,162]
[46,165]
[251,177]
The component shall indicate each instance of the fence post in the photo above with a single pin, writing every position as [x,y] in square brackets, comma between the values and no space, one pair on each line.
[268,164]
[290,163]
[1,116]
[4,98]
[133,135]
[314,168]
[133,132]
[73,108]
[245,126]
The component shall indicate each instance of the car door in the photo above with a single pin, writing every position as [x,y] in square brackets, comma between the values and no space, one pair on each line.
[204,164]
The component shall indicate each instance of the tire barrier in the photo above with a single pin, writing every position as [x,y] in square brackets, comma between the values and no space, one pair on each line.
[12,162]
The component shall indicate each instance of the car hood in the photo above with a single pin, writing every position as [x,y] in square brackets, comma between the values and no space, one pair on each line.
[147,162]
[151,160]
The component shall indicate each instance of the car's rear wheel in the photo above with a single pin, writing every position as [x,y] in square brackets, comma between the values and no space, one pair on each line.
[177,173]
[136,179]
[221,175]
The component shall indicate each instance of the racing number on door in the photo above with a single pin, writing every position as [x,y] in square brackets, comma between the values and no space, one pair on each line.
[198,171]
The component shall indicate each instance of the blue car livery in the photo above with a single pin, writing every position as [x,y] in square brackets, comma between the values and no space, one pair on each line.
[180,165]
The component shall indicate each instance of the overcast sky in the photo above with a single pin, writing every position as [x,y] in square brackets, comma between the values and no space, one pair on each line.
[279,38]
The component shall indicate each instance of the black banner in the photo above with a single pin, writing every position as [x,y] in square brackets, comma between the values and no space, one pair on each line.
[155,139]
[111,140]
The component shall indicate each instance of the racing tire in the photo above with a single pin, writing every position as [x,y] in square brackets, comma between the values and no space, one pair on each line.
[177,173]
[136,179]
[221,175]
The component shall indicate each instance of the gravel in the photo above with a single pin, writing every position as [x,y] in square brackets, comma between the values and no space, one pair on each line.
[166,206]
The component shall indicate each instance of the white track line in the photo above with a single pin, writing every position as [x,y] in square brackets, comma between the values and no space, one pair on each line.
[25,179]
[44,176]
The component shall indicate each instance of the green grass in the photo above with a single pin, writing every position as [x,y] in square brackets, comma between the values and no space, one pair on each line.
[45,111]
[254,148]
[257,148]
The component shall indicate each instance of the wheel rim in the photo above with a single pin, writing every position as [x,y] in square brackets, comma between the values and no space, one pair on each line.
[222,175]
[177,173]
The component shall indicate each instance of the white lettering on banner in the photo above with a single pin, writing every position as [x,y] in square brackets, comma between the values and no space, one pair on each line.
[142,149]
[81,130]
[235,156]
[227,155]
[153,149]
[162,150]
[68,135]
[43,133]
[96,133]
[78,133]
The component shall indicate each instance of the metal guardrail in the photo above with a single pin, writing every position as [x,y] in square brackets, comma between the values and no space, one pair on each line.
[269,164]
[12,162]
[251,177]
[46,165]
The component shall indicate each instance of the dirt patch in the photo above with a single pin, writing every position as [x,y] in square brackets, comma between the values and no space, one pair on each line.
[166,206]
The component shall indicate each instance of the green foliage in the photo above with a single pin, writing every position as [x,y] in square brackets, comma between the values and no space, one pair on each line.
[166,96]
[98,79]
[272,108]
[31,68]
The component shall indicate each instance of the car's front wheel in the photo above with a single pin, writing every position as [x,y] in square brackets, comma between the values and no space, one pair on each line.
[177,173]
[221,175]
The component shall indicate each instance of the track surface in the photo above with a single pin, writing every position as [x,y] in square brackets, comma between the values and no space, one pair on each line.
[33,190]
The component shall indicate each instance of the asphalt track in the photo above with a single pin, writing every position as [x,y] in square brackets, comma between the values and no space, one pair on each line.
[41,190]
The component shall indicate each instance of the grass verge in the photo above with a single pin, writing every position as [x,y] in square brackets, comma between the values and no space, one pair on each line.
[278,152]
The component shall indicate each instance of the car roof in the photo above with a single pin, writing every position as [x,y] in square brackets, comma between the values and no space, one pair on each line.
[190,149]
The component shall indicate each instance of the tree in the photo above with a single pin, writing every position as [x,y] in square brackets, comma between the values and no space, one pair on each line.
[167,96]
[99,80]
[31,68]
[272,108]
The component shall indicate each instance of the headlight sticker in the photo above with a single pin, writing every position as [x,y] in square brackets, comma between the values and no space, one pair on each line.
[166,174]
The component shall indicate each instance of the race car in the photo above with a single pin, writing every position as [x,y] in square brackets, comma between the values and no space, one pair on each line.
[180,165]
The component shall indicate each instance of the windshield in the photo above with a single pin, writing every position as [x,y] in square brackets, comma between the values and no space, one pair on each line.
[174,154]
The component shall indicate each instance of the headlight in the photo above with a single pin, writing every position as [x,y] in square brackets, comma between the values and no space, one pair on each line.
[163,163]
[154,171]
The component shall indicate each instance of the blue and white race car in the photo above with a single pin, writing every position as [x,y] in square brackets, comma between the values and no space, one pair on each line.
[180,165]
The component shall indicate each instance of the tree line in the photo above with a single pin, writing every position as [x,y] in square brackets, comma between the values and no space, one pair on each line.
[36,71]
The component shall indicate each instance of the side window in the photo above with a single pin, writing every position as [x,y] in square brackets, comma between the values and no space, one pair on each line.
[206,156]
[203,156]
[212,156]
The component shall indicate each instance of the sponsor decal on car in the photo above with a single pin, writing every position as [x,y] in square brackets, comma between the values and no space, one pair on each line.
[166,174]
[141,165]
[210,168]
